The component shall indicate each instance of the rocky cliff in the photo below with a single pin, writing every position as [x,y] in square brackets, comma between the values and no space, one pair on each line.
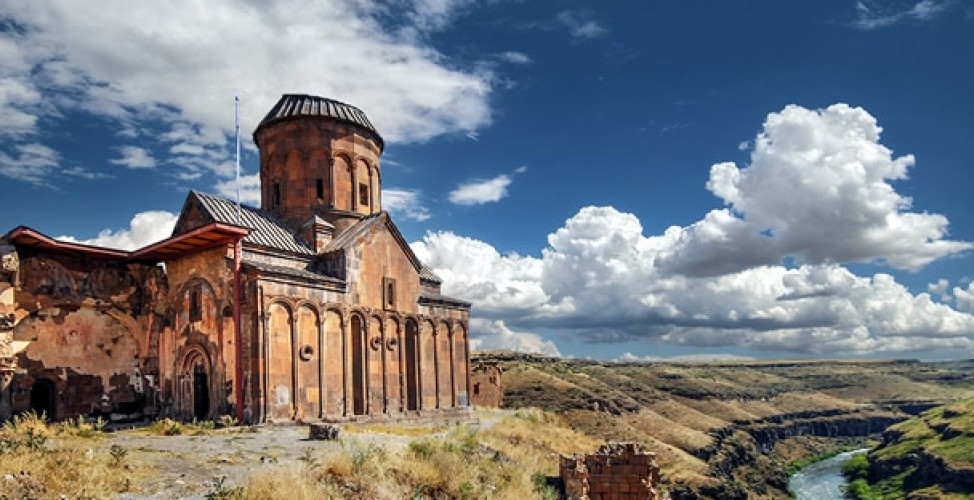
[929,455]
[729,429]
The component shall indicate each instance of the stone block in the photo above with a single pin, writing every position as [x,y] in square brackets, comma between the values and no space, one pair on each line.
[323,432]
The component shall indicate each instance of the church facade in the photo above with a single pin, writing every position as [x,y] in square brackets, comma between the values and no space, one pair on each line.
[312,307]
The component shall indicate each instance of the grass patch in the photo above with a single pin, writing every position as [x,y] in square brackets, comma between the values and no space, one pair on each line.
[56,461]
[510,460]
[395,430]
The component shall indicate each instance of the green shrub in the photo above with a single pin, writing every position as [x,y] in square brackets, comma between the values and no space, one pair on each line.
[856,468]
[860,490]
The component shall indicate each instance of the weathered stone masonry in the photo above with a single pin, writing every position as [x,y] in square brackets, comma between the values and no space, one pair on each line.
[616,471]
[310,308]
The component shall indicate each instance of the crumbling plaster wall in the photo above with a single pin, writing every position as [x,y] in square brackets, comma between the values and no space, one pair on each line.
[85,320]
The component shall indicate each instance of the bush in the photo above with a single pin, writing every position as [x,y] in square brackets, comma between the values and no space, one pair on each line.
[856,468]
[165,427]
[859,490]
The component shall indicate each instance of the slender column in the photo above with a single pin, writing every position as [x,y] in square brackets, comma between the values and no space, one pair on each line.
[418,359]
[466,371]
[436,362]
[344,332]
[238,395]
[366,364]
[321,363]
[453,368]
[402,371]
[382,359]
[295,407]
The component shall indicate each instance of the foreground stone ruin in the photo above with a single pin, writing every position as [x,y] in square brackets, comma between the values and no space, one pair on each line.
[615,471]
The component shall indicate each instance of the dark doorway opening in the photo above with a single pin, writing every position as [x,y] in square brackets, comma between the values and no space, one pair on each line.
[201,392]
[42,399]
[359,389]
[412,365]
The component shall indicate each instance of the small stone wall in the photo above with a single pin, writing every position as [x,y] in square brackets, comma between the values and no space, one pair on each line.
[616,471]
[486,386]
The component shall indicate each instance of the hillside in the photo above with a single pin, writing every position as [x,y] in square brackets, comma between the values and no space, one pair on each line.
[731,429]
[930,456]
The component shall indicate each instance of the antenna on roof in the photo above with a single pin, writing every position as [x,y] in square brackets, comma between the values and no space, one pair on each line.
[236,120]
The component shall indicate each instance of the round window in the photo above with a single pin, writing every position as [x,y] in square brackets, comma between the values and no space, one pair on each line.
[306,353]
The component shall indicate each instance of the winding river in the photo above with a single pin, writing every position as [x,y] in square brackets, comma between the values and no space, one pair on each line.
[822,480]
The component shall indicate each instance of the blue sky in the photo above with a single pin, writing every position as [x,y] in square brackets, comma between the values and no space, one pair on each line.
[609,179]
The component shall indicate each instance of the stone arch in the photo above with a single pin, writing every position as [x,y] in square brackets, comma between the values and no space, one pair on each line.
[43,398]
[358,354]
[197,396]
[375,181]
[334,360]
[412,365]
[461,368]
[196,292]
[342,176]
[376,363]
[427,334]
[362,187]
[319,174]
[307,361]
[444,371]
[280,359]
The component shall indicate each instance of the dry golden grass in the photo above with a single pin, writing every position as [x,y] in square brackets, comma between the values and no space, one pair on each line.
[536,438]
[54,461]
[728,412]
[506,461]
[687,416]
[395,429]
[668,431]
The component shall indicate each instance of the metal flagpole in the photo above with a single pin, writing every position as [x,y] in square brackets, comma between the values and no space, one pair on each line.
[236,119]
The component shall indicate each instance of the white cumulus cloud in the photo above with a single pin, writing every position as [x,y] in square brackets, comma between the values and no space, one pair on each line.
[486,335]
[134,157]
[168,71]
[817,189]
[144,229]
[480,191]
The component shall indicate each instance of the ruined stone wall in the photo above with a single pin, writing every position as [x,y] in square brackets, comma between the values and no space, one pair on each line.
[487,386]
[86,323]
[615,471]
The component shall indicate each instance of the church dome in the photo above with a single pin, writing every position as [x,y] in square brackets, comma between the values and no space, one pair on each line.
[303,106]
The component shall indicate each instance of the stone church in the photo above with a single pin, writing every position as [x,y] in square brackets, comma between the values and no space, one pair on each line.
[311,308]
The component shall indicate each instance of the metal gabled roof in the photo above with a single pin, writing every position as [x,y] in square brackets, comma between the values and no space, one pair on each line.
[266,229]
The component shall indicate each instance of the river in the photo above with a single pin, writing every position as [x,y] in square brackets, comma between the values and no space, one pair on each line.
[822,480]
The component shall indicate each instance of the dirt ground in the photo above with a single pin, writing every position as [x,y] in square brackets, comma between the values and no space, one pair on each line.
[190,466]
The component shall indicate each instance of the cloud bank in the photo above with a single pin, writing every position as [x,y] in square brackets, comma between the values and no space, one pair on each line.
[817,191]
[145,228]
[183,62]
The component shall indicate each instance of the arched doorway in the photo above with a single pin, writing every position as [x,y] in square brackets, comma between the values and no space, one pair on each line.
[412,365]
[359,386]
[201,391]
[42,398]
[196,376]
